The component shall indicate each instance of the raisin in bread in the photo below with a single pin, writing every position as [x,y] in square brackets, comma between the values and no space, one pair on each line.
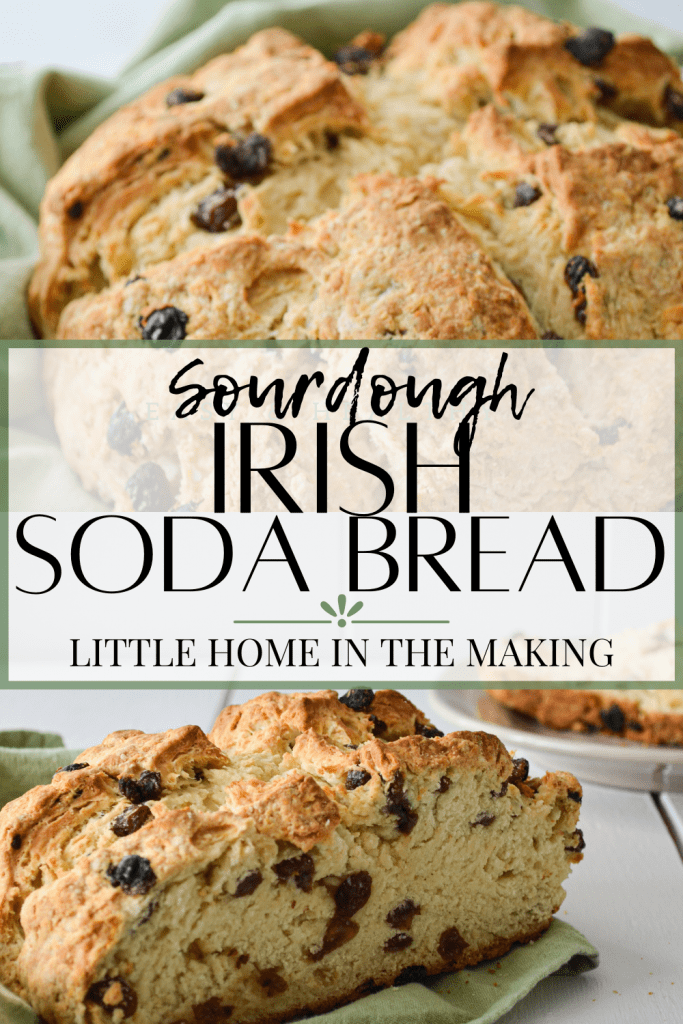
[329,847]
[491,174]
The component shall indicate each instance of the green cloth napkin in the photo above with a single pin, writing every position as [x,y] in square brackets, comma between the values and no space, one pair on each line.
[29,759]
[45,114]
[478,995]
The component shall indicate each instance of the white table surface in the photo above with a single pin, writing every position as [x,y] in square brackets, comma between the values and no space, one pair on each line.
[626,896]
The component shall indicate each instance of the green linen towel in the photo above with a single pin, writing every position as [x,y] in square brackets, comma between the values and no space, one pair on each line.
[29,759]
[46,113]
[479,995]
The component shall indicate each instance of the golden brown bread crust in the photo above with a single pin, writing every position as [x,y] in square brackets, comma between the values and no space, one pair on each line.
[124,207]
[424,276]
[281,784]
[274,85]
[520,60]
[276,721]
[597,189]
[333,284]
[601,199]
[44,832]
[292,808]
[595,711]
[604,196]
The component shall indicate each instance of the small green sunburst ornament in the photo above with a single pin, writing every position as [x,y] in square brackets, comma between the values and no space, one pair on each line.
[341,604]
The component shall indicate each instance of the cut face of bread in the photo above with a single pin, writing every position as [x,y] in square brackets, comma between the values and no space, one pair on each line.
[334,846]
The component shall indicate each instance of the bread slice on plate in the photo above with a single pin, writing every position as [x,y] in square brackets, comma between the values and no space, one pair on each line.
[653,717]
[313,849]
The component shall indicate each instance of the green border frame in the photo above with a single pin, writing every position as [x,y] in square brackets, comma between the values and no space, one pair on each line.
[178,684]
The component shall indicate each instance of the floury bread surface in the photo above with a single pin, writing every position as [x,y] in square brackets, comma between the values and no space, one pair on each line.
[332,847]
[491,174]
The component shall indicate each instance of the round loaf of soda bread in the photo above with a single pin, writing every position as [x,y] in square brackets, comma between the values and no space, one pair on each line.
[489,174]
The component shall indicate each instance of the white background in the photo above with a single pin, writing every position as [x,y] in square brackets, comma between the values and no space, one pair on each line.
[99,37]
